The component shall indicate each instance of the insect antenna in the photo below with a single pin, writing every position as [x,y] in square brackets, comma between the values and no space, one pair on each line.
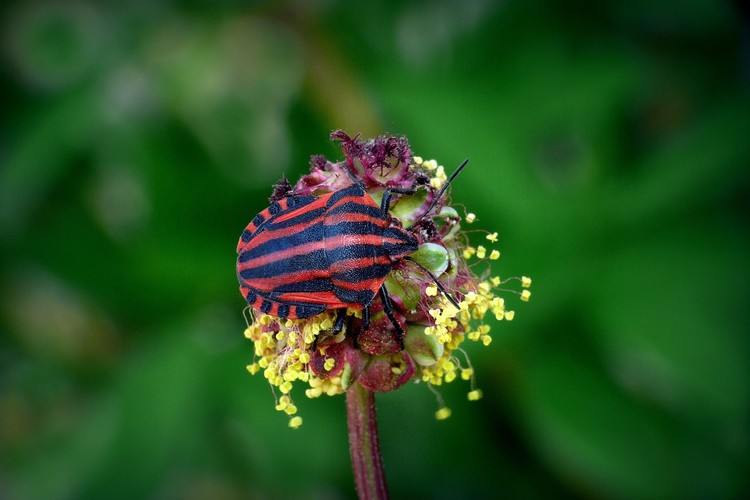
[437,282]
[441,192]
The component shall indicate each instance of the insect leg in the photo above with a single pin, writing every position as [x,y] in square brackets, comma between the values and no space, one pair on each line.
[388,308]
[338,325]
[365,318]
[437,282]
[364,326]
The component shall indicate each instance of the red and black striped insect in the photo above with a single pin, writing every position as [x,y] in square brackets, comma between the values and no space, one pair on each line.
[307,254]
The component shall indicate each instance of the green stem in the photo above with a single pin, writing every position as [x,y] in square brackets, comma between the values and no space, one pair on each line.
[363,444]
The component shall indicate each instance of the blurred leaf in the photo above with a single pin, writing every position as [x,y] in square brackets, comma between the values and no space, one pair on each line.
[45,146]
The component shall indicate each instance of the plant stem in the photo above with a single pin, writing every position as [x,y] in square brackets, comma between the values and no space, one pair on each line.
[363,444]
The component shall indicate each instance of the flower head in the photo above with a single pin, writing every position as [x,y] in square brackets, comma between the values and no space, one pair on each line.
[437,302]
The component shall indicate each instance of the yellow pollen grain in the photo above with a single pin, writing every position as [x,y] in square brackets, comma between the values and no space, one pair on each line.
[494,255]
[283,403]
[295,422]
[443,413]
[431,291]
[329,364]
[474,395]
[314,392]
[492,237]
[326,324]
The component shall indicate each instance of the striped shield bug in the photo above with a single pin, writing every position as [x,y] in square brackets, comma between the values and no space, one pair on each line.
[304,255]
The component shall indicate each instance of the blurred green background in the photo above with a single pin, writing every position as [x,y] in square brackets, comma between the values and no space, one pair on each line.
[609,146]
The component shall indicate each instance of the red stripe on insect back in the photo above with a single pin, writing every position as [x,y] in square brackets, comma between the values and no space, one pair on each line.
[319,203]
[392,241]
[282,254]
[327,298]
[357,199]
[274,311]
[343,217]
[346,239]
[367,284]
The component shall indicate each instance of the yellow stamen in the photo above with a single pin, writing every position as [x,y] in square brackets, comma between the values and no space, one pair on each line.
[475,395]
[443,413]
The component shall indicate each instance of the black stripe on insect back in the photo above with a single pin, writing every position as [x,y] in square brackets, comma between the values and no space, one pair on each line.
[352,229]
[362,297]
[282,311]
[307,310]
[355,275]
[352,190]
[274,208]
[311,261]
[284,242]
[304,216]
[355,207]
[311,285]
[359,251]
